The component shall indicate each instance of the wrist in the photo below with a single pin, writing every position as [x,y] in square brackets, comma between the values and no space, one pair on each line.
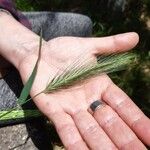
[16,41]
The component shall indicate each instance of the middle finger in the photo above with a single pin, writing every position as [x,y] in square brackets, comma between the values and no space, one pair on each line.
[91,132]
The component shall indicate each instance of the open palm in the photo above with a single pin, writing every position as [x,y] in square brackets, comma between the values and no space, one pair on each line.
[117,125]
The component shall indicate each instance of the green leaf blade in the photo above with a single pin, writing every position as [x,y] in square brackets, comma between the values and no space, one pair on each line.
[26,90]
[27,87]
[19,114]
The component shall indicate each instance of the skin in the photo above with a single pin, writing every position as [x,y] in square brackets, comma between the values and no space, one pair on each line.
[119,124]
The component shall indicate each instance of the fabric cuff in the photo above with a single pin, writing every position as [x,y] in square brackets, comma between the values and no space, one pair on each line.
[9,6]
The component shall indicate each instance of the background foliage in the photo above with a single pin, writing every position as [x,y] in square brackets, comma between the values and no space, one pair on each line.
[108,20]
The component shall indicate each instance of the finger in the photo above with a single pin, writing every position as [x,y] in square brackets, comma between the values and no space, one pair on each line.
[117,130]
[116,43]
[92,133]
[128,111]
[68,132]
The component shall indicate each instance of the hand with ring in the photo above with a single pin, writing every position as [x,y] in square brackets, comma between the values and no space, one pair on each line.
[97,114]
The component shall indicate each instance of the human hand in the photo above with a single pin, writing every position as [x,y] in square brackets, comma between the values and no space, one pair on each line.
[119,124]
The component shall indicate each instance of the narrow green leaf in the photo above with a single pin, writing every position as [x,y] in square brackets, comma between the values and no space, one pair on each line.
[25,91]
[19,114]
[27,87]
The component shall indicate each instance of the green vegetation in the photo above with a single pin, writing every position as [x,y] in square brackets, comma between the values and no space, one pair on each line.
[78,71]
[136,17]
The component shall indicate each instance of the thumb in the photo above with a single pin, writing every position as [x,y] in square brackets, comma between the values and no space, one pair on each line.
[111,44]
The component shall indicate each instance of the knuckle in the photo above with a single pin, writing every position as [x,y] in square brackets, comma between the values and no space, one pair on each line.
[132,143]
[75,111]
[66,127]
[110,121]
[91,129]
[116,43]
[136,121]
[110,117]
[120,104]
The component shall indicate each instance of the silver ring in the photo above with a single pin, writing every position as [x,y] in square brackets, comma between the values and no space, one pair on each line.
[96,105]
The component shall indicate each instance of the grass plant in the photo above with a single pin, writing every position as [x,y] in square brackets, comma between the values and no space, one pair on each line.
[77,72]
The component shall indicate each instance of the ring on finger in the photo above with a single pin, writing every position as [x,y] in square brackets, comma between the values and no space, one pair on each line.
[95,105]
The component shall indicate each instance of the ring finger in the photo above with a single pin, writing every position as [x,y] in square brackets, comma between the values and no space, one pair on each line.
[116,129]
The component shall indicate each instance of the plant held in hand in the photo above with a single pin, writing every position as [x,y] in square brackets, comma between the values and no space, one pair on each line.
[75,73]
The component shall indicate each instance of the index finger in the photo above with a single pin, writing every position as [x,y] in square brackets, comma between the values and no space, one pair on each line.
[128,111]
